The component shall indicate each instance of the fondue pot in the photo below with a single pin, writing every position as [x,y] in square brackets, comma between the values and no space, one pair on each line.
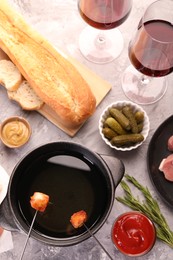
[75,178]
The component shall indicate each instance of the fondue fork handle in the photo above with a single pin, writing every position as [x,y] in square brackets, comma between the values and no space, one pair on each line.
[28,235]
[92,235]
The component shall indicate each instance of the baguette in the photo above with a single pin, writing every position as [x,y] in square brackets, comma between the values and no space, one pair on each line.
[54,79]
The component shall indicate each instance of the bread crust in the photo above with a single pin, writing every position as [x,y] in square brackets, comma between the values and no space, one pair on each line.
[55,80]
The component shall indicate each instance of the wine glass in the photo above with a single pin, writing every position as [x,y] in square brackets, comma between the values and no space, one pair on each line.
[103,45]
[151,54]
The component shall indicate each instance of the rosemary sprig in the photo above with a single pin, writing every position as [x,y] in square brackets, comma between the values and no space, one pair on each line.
[149,207]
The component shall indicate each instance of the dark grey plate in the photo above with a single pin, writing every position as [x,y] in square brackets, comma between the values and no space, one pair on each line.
[158,150]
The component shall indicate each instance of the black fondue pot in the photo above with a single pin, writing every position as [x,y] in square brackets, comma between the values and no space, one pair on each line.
[75,178]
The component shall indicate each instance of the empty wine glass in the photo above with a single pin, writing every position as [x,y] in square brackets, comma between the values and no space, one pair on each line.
[103,45]
[151,54]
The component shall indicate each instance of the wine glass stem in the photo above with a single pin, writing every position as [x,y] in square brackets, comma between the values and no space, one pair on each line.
[100,41]
[144,80]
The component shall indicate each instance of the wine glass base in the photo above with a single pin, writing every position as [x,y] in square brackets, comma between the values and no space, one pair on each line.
[142,89]
[100,46]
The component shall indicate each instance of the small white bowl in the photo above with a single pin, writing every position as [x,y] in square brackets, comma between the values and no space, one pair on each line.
[135,108]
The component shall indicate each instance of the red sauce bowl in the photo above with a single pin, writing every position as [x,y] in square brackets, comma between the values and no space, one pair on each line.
[133,234]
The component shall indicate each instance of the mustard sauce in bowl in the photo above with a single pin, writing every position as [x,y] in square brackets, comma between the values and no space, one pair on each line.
[15,132]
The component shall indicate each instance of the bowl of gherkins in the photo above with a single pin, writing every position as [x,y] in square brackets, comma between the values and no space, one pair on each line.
[124,125]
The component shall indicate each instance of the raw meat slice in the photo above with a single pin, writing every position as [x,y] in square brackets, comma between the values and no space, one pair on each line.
[166,166]
[170,143]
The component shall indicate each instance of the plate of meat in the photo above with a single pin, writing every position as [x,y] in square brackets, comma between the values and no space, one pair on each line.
[160,160]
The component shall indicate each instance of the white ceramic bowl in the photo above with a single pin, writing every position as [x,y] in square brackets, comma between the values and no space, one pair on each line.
[135,107]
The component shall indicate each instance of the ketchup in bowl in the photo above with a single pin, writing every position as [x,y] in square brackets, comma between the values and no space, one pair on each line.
[133,234]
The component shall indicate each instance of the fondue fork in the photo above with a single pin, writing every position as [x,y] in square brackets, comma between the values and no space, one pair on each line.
[92,235]
[28,235]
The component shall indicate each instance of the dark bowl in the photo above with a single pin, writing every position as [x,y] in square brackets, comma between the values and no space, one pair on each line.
[75,178]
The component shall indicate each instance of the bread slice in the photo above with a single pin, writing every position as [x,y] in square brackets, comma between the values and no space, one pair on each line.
[18,89]
[10,76]
[26,97]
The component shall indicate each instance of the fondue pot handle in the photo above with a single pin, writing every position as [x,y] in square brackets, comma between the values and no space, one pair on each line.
[6,220]
[116,168]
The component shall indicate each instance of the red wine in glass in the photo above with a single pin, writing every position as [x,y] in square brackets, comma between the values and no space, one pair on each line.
[151,55]
[97,45]
[152,58]
[104,14]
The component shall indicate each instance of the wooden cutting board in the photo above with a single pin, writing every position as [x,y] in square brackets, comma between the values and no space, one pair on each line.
[99,87]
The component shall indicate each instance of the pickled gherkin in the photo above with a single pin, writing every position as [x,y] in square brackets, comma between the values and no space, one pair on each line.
[140,127]
[126,140]
[127,111]
[114,125]
[120,117]
[139,116]
[109,133]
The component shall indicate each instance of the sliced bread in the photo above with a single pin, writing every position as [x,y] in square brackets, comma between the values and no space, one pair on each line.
[10,76]
[26,97]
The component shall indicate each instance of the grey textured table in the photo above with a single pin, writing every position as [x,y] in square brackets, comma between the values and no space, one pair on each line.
[60,22]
